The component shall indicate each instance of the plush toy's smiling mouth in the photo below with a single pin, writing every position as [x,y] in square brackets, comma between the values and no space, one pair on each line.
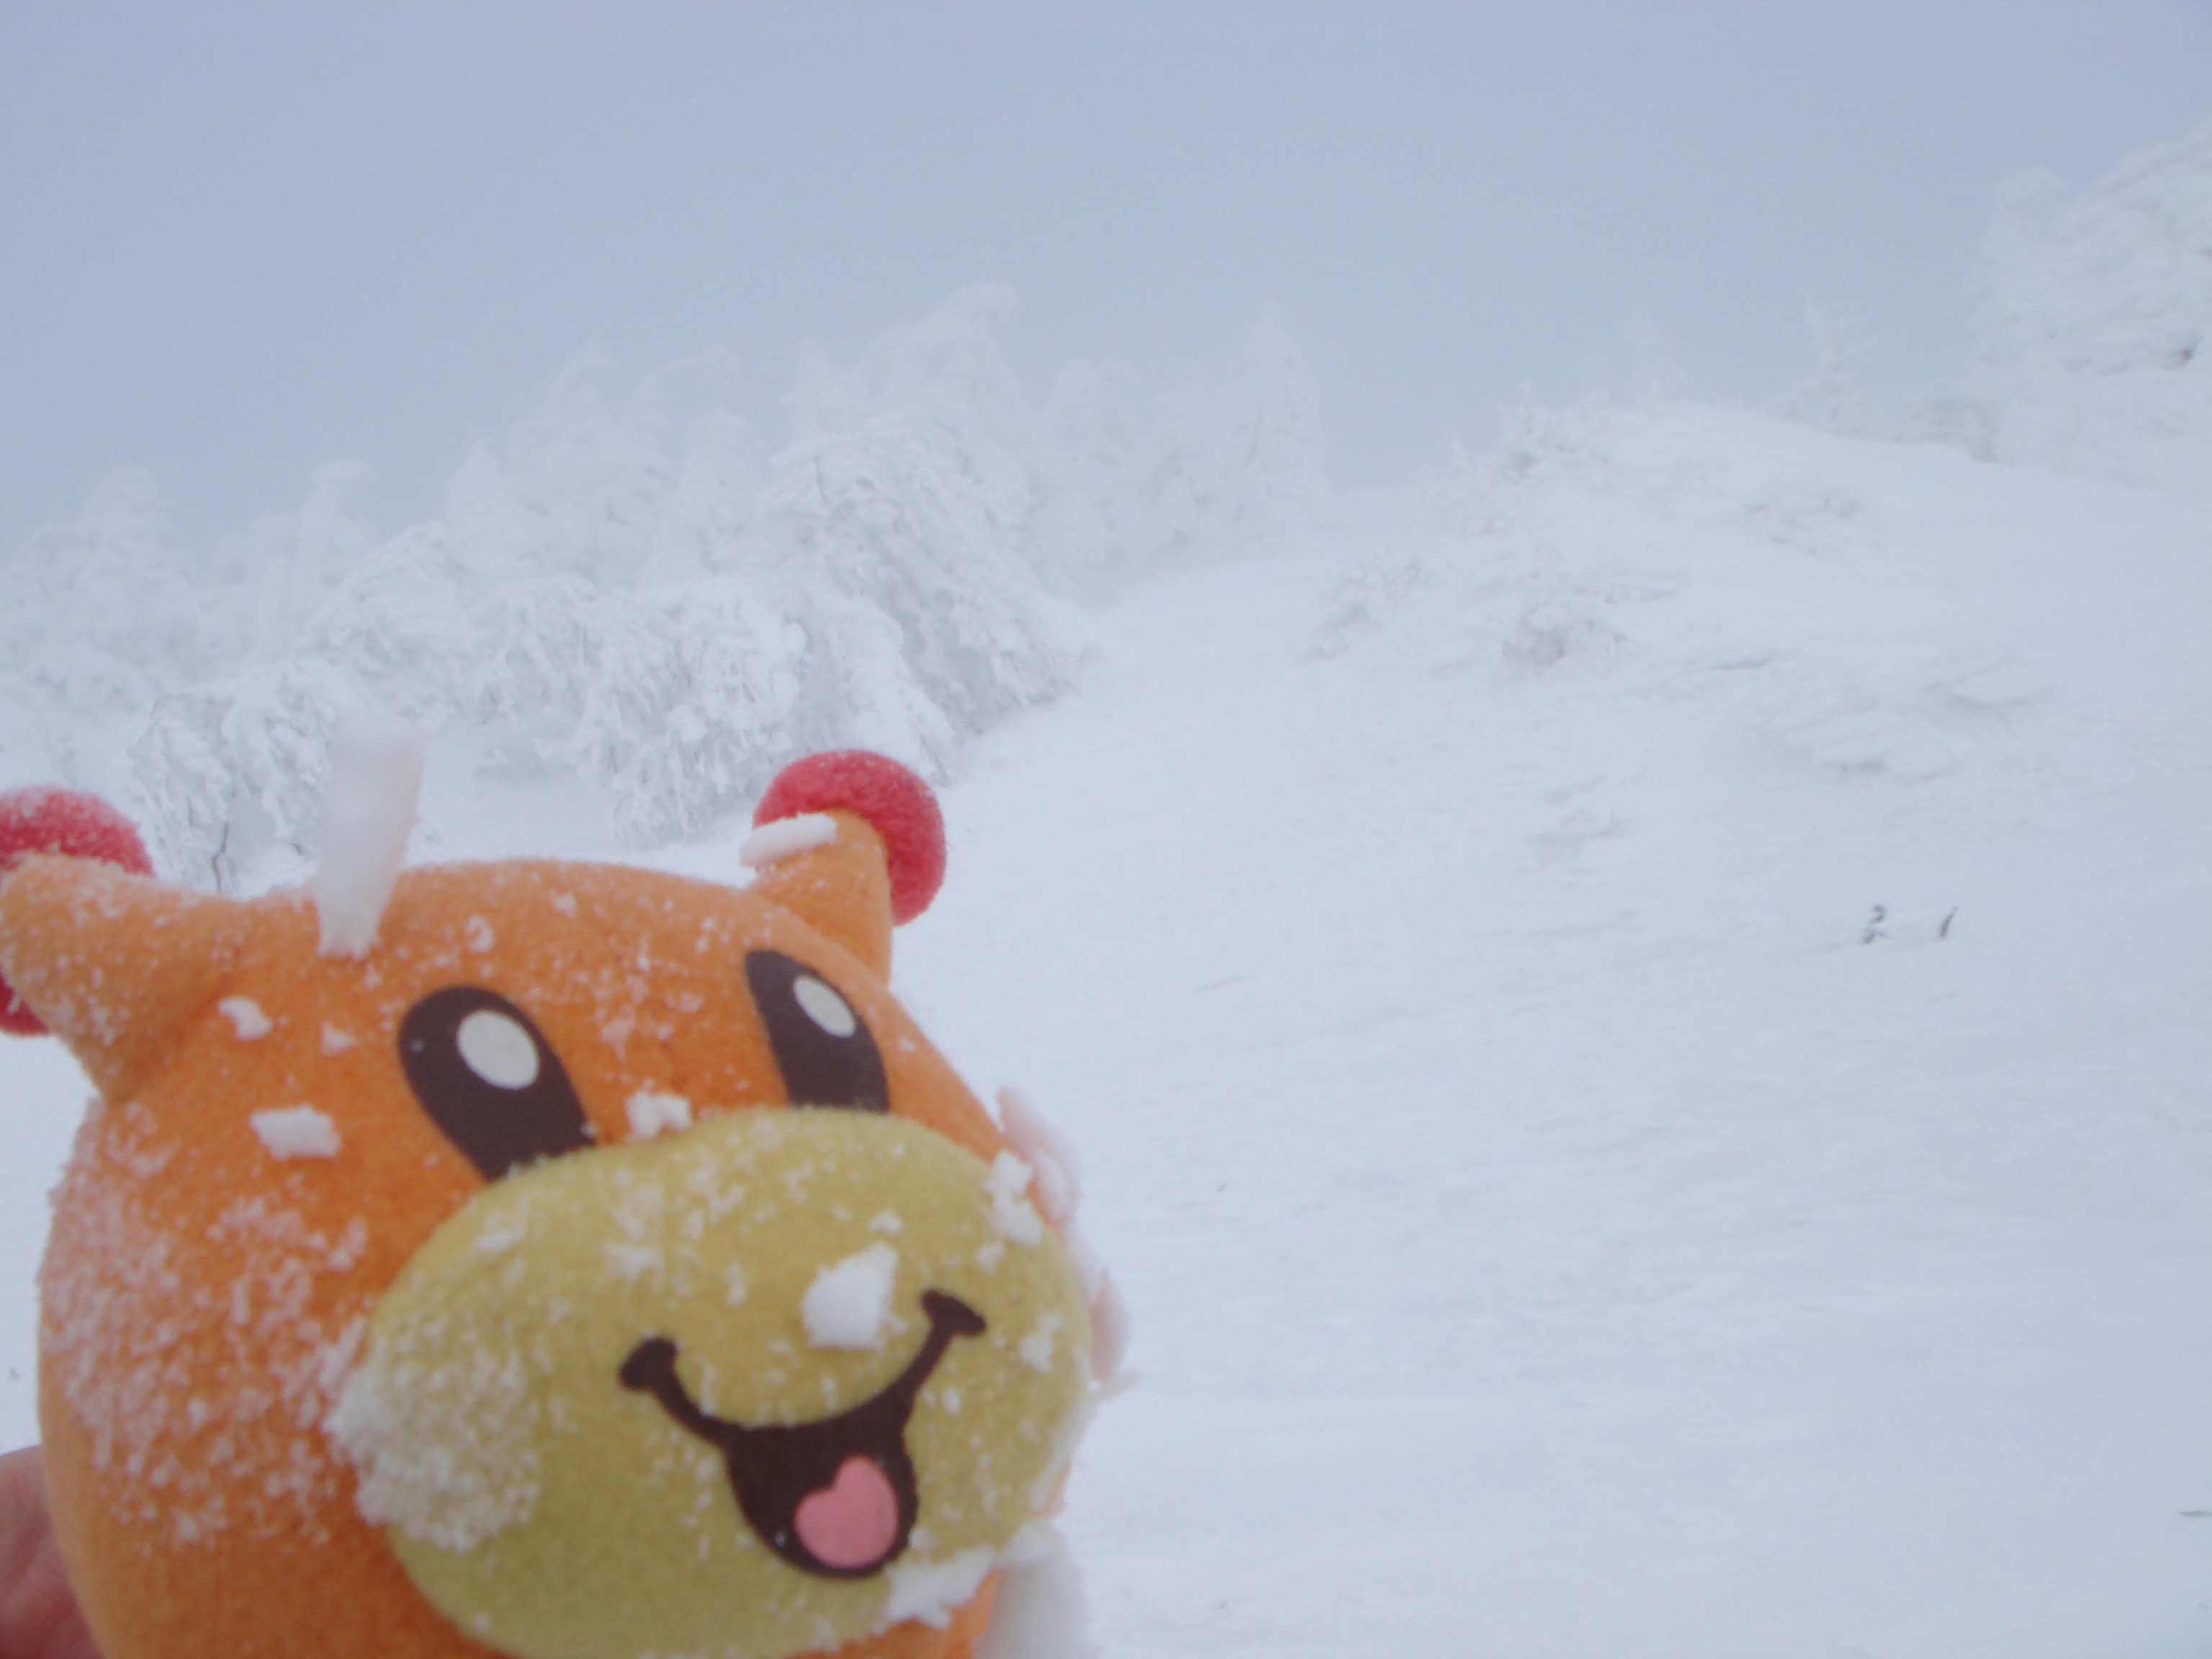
[837,1497]
[541,1418]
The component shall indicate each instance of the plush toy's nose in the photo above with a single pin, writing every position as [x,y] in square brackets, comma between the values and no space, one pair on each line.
[759,1389]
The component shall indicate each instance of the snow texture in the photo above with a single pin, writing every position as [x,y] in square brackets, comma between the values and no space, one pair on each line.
[1701,1133]
[108,1341]
[376,771]
[393,1419]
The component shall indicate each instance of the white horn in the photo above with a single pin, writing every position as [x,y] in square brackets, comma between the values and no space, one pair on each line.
[376,772]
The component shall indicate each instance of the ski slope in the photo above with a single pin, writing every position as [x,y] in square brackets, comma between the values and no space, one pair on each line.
[1636,1021]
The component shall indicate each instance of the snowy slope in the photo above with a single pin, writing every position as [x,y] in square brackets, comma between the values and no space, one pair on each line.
[1554,1226]
[1636,1026]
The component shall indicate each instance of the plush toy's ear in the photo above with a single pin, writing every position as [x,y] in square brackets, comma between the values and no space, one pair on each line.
[111,962]
[851,843]
[40,820]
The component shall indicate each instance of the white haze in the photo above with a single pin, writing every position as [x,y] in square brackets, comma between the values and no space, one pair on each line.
[238,242]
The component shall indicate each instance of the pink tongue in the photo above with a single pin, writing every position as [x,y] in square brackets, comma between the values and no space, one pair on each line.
[852,1522]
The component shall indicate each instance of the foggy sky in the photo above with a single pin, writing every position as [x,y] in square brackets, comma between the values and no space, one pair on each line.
[239,240]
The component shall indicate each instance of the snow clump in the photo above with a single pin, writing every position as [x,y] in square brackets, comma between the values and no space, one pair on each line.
[246,1018]
[297,1132]
[845,1306]
[653,1114]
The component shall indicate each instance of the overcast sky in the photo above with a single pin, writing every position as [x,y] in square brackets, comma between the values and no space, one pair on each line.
[237,240]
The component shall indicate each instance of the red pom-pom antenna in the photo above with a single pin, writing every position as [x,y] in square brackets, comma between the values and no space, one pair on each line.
[898,806]
[61,821]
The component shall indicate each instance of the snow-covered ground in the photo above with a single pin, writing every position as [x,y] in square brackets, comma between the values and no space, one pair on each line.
[1562,1216]
[1637,1026]
[1636,1020]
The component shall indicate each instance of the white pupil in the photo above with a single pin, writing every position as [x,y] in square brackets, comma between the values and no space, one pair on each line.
[825,1007]
[498,1050]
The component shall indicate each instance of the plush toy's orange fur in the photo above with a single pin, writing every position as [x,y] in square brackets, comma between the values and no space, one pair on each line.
[201,1295]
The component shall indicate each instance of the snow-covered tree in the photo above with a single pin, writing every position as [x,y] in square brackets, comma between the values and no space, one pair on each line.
[1245,466]
[625,590]
[2094,324]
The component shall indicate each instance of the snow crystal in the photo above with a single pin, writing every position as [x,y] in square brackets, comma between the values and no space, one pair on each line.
[651,1114]
[844,1307]
[886,1222]
[297,1132]
[786,837]
[1012,1216]
[245,1015]
[336,1041]
[445,1451]
[376,769]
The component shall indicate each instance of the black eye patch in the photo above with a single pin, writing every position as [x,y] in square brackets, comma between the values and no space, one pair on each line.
[822,1045]
[490,1080]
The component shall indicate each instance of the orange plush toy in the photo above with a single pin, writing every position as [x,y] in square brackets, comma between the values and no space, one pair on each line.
[549,1259]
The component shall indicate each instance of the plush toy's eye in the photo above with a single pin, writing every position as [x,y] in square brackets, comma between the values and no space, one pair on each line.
[821,1045]
[490,1080]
